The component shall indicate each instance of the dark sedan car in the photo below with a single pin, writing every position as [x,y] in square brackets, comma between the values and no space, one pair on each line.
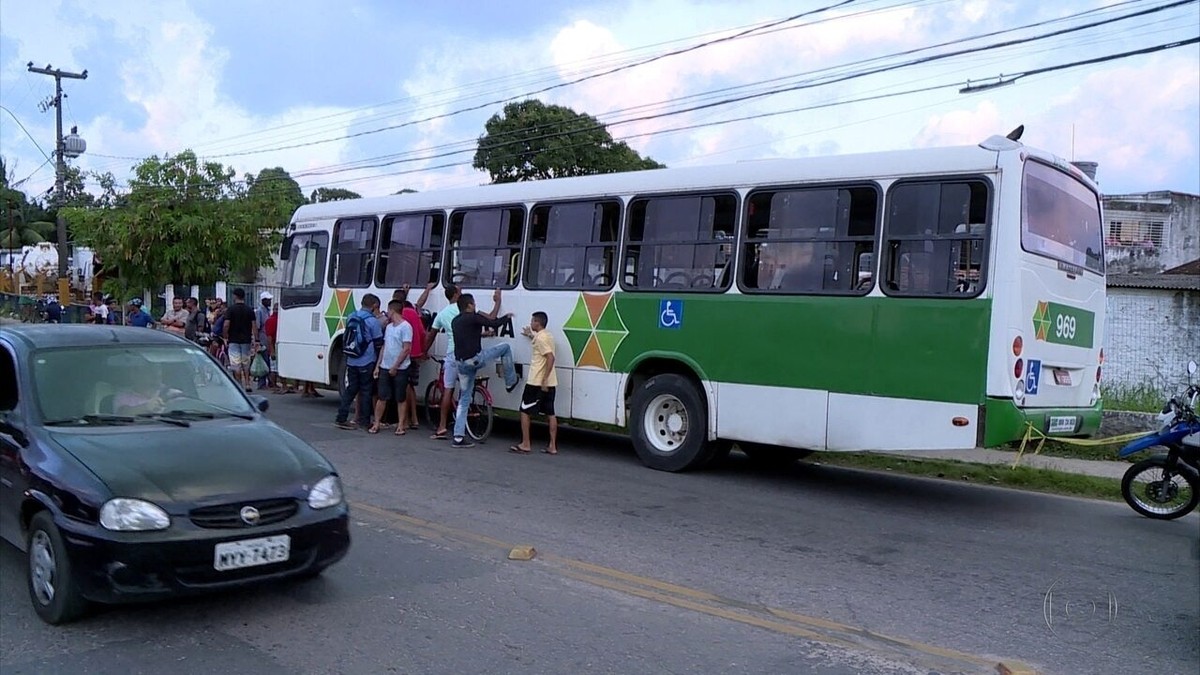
[133,467]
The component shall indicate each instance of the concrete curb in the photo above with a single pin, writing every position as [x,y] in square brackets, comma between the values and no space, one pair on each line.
[1086,467]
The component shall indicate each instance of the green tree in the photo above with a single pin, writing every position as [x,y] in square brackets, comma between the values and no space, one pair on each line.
[22,221]
[182,221]
[332,195]
[530,140]
[272,184]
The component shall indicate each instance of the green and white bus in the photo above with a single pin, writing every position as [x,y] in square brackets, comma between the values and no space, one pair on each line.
[935,298]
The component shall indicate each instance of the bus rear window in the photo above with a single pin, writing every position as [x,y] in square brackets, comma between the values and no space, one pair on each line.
[1060,218]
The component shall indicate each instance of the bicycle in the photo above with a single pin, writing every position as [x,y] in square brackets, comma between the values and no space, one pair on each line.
[480,412]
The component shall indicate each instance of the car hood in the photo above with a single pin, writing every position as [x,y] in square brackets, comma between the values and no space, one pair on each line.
[207,463]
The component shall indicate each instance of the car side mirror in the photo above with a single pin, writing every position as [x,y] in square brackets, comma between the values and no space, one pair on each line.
[260,402]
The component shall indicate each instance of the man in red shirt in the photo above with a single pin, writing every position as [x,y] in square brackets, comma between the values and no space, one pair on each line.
[271,328]
[412,314]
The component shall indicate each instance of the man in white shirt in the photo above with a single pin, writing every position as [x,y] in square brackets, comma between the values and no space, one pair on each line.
[392,368]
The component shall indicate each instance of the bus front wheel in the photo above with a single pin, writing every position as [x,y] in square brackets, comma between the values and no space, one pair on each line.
[668,425]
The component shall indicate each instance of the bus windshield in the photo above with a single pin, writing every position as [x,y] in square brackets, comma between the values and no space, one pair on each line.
[1060,218]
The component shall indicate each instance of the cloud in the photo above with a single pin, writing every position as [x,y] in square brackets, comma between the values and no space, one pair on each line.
[960,127]
[1137,121]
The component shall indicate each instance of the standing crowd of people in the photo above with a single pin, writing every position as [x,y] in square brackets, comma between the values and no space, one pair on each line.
[384,350]
[385,347]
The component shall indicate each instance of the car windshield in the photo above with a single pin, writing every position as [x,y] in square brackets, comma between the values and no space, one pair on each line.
[123,384]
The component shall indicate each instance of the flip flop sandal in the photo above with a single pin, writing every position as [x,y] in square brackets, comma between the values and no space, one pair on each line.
[518,450]
[373,430]
[441,436]
[400,432]
[550,452]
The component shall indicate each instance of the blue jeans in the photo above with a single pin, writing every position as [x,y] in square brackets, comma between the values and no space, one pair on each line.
[359,382]
[466,380]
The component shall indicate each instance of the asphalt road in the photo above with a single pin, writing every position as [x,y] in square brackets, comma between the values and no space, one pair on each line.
[810,570]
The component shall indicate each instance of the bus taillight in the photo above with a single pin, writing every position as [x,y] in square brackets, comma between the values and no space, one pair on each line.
[1102,356]
[1018,369]
[1097,373]
[1019,344]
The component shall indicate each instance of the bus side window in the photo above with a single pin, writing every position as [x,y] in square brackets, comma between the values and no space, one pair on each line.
[573,245]
[680,242]
[809,240]
[936,238]
[353,253]
[410,249]
[482,246]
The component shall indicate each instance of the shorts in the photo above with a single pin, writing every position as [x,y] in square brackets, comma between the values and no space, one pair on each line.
[449,373]
[393,387]
[534,400]
[414,374]
[239,354]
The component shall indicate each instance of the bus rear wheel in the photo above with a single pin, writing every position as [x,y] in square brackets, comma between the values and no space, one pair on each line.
[669,425]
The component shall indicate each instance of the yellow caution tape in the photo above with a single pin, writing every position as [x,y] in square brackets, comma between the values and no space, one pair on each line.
[1030,430]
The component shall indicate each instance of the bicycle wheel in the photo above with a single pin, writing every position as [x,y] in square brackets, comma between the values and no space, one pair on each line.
[479,415]
[433,404]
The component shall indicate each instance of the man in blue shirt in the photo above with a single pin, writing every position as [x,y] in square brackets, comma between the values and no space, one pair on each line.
[137,316]
[360,370]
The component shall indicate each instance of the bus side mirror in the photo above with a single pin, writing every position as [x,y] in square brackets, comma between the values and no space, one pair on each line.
[285,248]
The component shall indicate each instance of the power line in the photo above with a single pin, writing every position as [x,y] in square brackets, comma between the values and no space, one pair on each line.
[715,92]
[753,30]
[927,59]
[1033,72]
[35,143]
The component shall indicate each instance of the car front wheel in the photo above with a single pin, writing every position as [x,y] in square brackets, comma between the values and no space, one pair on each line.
[52,589]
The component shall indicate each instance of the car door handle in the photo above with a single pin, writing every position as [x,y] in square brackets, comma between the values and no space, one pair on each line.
[4,482]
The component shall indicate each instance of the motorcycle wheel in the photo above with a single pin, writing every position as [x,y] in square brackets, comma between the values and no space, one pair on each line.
[1149,490]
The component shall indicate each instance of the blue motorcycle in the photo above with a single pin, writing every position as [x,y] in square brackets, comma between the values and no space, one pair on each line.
[1165,487]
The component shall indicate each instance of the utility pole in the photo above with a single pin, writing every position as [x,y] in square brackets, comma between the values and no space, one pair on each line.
[77,146]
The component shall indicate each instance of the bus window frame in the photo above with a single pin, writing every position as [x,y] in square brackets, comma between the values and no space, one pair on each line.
[744,239]
[438,252]
[372,253]
[310,295]
[729,273]
[615,244]
[883,261]
[1024,226]
[448,247]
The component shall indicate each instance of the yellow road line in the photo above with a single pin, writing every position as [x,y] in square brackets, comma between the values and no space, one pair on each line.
[778,620]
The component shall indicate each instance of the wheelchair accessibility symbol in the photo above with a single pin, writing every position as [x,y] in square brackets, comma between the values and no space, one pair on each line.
[670,314]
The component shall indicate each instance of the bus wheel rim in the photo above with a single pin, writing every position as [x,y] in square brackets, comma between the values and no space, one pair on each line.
[665,423]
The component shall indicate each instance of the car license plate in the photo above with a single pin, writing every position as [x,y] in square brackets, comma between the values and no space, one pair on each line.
[1062,377]
[1062,425]
[233,555]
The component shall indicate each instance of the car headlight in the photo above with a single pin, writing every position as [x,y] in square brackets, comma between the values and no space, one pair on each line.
[132,515]
[327,492]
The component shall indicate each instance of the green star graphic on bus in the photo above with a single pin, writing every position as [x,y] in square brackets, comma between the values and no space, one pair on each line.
[1041,321]
[595,330]
[341,306]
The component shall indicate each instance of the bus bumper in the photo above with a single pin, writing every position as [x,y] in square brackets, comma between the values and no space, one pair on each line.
[1004,422]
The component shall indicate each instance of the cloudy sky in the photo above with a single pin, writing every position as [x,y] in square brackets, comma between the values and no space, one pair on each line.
[379,95]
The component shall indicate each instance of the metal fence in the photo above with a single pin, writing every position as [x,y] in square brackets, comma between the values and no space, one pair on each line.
[25,308]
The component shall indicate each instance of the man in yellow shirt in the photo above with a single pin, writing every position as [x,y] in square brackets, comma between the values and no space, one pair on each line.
[539,388]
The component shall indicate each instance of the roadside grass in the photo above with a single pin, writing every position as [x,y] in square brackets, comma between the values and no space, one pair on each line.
[1000,475]
[1105,452]
[1133,398]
